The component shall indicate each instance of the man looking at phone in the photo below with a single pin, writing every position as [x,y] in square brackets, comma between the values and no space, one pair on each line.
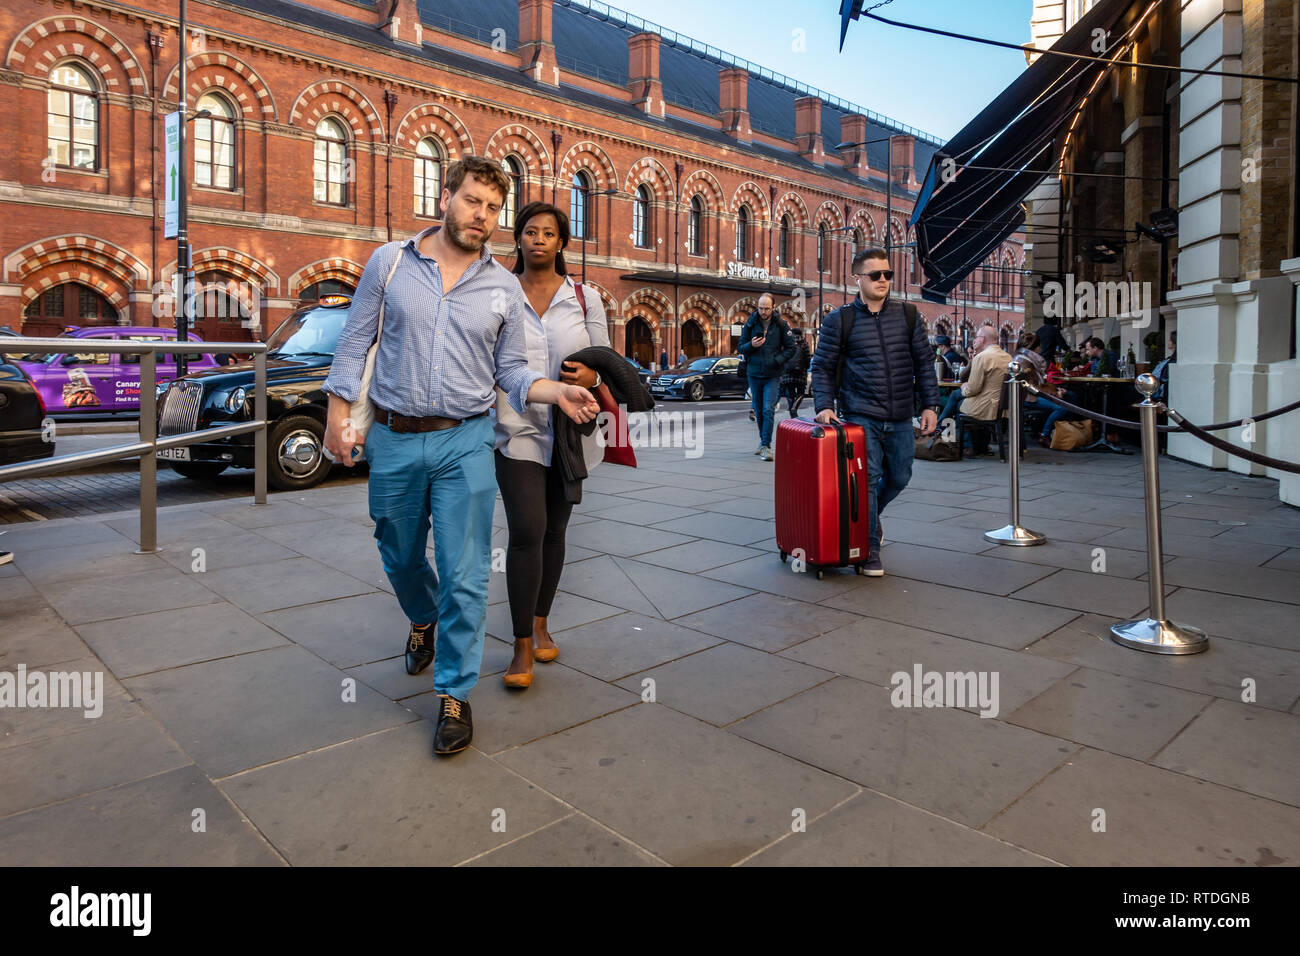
[767,345]
[453,331]
[887,365]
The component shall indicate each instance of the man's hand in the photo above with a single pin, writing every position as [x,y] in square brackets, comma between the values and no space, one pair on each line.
[758,340]
[578,403]
[340,436]
[826,416]
[929,421]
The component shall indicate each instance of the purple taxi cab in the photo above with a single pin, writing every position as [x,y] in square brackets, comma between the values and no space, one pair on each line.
[72,381]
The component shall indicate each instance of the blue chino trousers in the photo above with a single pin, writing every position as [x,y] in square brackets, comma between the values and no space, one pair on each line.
[446,477]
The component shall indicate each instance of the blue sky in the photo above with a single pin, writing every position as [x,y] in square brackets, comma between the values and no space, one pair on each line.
[934,83]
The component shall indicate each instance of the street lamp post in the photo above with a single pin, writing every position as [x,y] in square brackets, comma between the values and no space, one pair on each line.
[184,265]
[889,188]
[678,169]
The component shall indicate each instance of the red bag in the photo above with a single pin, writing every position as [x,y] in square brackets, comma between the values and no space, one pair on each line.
[822,506]
[618,449]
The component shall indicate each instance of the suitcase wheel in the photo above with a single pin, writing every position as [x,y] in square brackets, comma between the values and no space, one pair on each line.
[860,568]
[820,574]
[783,557]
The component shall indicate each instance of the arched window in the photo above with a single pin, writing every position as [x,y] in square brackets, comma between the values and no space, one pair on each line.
[72,118]
[695,227]
[783,249]
[578,205]
[742,234]
[641,217]
[329,169]
[857,240]
[70,304]
[214,143]
[821,247]
[428,178]
[515,173]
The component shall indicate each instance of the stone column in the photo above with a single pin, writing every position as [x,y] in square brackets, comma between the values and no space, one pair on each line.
[1209,181]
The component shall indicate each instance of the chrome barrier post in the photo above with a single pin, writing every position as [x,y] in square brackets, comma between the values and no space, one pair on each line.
[1013,534]
[1155,633]
[259,436]
[148,461]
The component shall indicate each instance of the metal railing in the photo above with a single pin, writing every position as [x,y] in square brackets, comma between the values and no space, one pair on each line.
[147,447]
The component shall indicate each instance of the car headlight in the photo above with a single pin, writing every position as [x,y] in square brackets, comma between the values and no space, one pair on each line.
[235,400]
[160,388]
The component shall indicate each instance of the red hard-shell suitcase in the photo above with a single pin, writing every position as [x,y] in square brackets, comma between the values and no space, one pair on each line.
[821,494]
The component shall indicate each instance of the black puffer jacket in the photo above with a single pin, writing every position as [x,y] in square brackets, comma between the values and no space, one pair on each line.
[884,369]
[770,358]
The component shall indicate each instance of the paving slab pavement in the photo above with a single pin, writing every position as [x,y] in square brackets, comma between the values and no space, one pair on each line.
[710,706]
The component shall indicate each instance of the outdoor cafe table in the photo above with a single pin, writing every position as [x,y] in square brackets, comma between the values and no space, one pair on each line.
[1104,384]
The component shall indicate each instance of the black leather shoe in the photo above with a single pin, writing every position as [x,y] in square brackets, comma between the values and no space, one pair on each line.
[419,648]
[455,728]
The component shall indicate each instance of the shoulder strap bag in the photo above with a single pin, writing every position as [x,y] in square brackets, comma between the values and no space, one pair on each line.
[362,413]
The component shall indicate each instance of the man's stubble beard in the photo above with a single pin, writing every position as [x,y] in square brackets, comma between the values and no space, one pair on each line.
[456,233]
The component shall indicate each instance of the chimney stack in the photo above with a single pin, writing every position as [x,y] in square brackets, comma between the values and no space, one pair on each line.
[903,147]
[536,48]
[733,103]
[853,129]
[808,129]
[643,84]
[400,19]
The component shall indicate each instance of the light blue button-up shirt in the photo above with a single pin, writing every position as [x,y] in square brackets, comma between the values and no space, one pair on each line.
[442,352]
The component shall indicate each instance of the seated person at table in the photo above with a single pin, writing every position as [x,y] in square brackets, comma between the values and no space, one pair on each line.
[1099,360]
[1031,361]
[988,370]
[950,356]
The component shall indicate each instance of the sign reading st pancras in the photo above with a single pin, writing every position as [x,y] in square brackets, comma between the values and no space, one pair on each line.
[742,270]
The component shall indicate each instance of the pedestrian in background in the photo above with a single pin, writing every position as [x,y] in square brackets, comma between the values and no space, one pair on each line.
[767,345]
[794,380]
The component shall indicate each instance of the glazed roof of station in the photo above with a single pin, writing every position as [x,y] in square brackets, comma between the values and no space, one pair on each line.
[592,41]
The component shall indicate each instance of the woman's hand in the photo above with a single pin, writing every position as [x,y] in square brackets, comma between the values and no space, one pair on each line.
[575,373]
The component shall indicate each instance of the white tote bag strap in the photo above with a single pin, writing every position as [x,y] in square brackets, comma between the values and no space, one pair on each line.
[397,260]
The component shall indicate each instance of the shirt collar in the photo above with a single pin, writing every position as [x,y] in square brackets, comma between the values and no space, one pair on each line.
[415,240]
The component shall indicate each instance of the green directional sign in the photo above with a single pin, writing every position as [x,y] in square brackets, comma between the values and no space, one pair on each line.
[172,205]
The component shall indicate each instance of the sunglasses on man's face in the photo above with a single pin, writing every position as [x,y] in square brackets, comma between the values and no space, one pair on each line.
[877,274]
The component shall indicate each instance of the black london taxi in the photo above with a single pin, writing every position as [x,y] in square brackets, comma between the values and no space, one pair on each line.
[23,432]
[298,358]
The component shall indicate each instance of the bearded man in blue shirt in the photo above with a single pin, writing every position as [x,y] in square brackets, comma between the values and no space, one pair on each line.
[453,331]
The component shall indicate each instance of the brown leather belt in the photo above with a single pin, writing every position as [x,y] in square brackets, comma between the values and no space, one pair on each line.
[407,424]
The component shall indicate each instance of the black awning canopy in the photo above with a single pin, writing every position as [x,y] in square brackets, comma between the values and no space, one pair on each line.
[1012,145]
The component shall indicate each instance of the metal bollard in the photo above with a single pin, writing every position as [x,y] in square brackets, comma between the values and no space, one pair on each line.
[148,461]
[1155,633]
[1013,534]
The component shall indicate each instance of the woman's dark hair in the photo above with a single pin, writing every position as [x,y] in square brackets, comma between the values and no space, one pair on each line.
[532,210]
[1028,341]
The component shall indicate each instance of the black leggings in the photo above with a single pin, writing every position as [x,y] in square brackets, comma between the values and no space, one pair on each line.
[537,515]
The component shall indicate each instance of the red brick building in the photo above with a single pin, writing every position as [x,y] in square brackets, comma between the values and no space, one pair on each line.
[695,180]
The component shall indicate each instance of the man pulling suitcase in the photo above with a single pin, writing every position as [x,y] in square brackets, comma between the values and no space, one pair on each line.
[872,360]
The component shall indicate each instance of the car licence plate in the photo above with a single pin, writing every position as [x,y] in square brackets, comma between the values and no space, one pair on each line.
[174,454]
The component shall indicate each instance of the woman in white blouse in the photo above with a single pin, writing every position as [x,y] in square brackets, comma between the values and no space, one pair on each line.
[532,487]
